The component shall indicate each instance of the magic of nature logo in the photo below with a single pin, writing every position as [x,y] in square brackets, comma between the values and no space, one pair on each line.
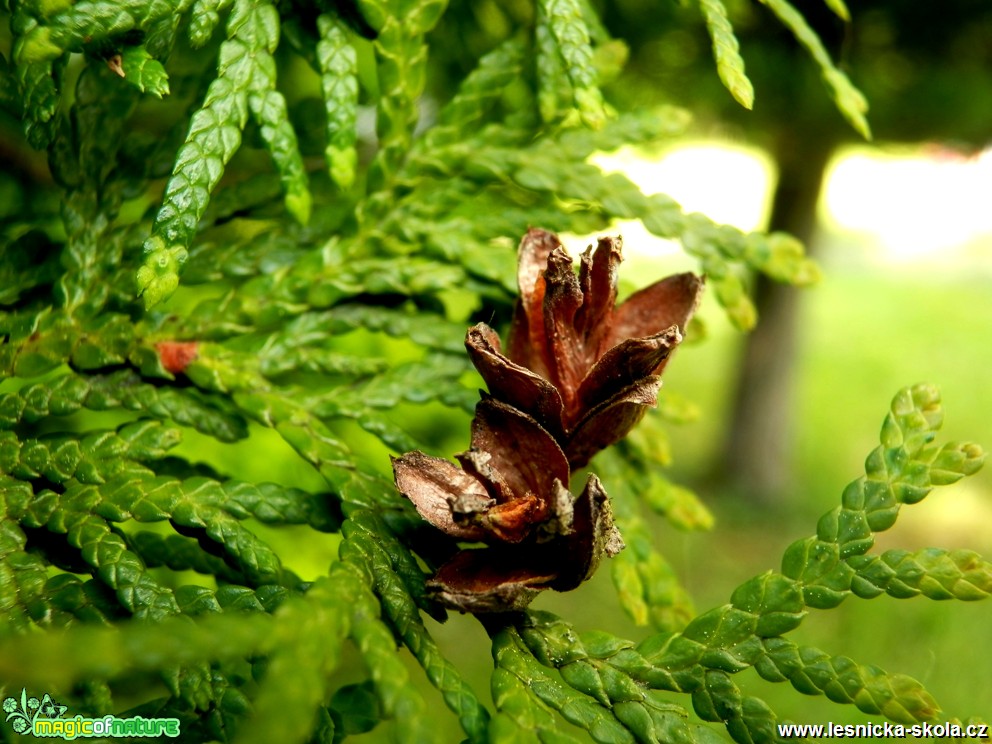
[45,718]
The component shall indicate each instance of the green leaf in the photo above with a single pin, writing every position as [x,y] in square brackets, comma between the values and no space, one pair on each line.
[398,698]
[850,101]
[144,72]
[477,94]
[647,587]
[509,653]
[296,678]
[268,107]
[812,672]
[729,64]
[92,458]
[66,394]
[776,600]
[903,470]
[932,572]
[840,9]
[204,17]
[567,26]
[338,62]
[73,27]
[105,652]
[554,88]
[399,582]
[401,56]
[245,66]
[181,554]
[355,709]
[723,251]
[520,713]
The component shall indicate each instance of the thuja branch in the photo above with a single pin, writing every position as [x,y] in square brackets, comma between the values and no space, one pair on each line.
[750,631]
[397,580]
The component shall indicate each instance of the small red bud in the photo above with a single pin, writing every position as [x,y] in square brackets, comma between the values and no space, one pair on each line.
[176,355]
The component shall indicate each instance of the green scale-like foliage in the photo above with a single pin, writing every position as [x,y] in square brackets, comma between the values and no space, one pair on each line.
[339,85]
[616,677]
[245,81]
[216,264]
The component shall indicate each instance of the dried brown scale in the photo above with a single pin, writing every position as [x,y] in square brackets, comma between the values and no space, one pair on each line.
[511,494]
[572,350]
[506,487]
[507,578]
[580,373]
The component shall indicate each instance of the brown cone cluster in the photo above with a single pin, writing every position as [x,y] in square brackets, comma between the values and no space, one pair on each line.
[578,374]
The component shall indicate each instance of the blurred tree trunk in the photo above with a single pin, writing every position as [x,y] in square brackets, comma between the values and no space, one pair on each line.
[756,461]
